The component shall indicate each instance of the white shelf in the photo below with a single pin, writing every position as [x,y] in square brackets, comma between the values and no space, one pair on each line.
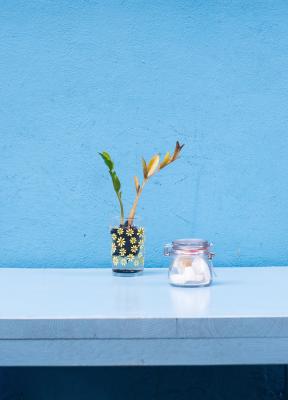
[88,317]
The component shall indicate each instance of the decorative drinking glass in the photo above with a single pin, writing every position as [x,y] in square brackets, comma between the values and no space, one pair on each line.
[127,249]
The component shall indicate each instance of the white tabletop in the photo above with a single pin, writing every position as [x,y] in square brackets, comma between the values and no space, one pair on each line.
[89,317]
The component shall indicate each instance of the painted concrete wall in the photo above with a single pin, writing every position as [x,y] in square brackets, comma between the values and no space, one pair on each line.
[131,77]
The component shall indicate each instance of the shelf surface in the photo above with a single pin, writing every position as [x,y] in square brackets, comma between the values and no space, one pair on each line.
[89,317]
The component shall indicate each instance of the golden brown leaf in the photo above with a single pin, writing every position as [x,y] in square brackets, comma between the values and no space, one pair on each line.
[145,170]
[153,164]
[166,160]
[177,150]
[137,186]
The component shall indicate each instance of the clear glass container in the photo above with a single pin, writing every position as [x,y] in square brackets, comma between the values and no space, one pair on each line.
[127,249]
[191,262]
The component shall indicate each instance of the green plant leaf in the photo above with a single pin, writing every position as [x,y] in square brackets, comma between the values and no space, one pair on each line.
[115,180]
[107,159]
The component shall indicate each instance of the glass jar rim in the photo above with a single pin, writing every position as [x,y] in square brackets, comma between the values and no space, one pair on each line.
[190,245]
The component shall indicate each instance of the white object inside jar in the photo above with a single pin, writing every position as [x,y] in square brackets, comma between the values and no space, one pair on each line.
[190,270]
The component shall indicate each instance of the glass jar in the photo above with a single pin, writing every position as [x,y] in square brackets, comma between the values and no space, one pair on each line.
[127,249]
[191,262]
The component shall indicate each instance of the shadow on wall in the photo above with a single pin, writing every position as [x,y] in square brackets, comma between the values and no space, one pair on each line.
[147,383]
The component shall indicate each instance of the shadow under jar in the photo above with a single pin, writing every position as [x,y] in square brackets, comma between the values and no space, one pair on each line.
[191,262]
[127,249]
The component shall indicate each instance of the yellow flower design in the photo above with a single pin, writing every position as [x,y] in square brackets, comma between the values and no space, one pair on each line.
[120,231]
[133,240]
[130,257]
[113,247]
[141,259]
[115,260]
[129,232]
[114,236]
[140,232]
[122,252]
[136,263]
[121,241]
[123,261]
[141,241]
[134,249]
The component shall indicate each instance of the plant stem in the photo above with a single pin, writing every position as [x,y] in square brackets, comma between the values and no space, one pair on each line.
[121,210]
[133,209]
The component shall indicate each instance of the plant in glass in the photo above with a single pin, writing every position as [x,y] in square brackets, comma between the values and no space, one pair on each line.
[128,238]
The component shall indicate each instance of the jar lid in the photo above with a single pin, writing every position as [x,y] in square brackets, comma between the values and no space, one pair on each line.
[190,245]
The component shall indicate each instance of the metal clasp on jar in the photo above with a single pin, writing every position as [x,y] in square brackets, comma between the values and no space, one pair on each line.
[167,249]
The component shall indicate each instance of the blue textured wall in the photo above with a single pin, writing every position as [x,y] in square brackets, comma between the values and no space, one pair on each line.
[131,77]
